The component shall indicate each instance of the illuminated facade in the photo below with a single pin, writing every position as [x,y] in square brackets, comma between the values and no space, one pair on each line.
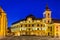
[3,23]
[45,26]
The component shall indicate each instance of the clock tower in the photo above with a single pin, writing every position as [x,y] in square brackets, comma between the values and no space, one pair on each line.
[47,15]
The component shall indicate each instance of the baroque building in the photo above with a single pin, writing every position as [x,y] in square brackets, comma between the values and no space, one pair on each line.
[46,26]
[3,23]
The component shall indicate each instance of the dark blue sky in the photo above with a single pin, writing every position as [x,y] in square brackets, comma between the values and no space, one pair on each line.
[19,9]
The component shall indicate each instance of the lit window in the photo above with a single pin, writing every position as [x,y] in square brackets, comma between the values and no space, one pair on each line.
[34,28]
[23,28]
[43,28]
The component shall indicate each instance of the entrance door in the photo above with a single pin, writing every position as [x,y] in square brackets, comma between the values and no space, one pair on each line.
[48,34]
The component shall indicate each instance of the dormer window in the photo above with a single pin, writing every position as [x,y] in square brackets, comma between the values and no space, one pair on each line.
[29,19]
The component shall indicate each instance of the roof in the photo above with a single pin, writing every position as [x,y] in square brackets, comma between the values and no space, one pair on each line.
[18,21]
[47,8]
[32,16]
[56,20]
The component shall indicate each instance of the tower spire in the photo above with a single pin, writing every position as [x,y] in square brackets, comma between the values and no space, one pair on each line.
[47,8]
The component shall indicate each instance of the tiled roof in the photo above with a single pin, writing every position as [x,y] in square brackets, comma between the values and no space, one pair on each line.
[32,16]
[56,20]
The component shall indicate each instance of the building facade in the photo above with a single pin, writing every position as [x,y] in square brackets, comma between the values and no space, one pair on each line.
[45,26]
[3,23]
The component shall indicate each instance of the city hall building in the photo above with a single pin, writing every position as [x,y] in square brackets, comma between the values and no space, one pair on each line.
[46,26]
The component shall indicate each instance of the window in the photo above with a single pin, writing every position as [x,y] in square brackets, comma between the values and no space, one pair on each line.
[48,21]
[32,25]
[57,34]
[50,28]
[44,21]
[41,25]
[29,25]
[26,25]
[37,24]
[17,25]
[43,28]
[57,27]
[48,15]
[21,25]
[37,28]
[48,34]
[0,14]
[57,30]
[29,21]
[29,29]
[44,15]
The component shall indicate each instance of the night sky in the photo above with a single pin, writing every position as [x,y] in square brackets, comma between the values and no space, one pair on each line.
[19,9]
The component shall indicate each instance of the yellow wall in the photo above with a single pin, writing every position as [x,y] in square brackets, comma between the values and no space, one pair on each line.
[3,23]
[57,29]
[43,29]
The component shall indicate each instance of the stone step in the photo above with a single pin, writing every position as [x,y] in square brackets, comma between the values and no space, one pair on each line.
[29,38]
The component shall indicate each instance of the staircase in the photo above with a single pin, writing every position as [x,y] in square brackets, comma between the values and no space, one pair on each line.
[29,38]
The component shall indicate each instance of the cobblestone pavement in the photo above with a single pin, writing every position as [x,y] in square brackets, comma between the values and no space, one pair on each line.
[29,38]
